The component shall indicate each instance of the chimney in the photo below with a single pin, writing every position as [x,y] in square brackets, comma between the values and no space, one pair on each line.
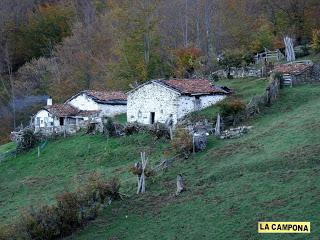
[49,101]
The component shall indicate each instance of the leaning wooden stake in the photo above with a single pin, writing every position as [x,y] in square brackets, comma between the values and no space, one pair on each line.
[180,185]
[141,178]
[217,131]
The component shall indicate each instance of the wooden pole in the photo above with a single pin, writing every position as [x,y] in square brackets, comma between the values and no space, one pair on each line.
[38,151]
[217,131]
[193,144]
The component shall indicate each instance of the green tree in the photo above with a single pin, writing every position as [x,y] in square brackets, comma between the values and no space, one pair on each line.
[43,31]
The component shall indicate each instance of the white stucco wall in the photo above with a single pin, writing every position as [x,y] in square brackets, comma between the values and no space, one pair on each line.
[109,110]
[152,98]
[187,104]
[45,119]
[85,103]
[207,101]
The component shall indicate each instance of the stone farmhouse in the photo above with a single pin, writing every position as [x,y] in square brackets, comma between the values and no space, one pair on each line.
[79,110]
[167,101]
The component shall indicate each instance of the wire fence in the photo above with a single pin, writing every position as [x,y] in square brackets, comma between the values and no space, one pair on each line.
[13,153]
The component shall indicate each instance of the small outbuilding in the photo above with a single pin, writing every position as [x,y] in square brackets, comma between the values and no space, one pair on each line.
[108,103]
[60,117]
[295,72]
[167,101]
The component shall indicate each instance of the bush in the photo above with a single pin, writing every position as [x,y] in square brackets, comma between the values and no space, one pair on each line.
[160,130]
[71,211]
[131,128]
[28,140]
[316,40]
[109,128]
[40,224]
[182,142]
[232,108]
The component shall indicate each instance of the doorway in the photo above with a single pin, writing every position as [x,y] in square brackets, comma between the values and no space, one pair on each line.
[152,117]
[61,121]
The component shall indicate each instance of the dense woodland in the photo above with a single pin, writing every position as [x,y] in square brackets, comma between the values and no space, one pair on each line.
[52,47]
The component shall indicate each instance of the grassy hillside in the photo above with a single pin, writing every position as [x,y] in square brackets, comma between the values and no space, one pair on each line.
[64,163]
[271,174]
[7,147]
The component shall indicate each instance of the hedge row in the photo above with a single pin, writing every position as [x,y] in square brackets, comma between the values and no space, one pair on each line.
[71,211]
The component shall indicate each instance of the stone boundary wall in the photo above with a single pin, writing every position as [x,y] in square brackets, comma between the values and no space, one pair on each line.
[240,72]
[304,77]
[267,99]
[316,72]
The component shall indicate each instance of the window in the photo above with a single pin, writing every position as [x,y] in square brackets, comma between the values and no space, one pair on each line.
[37,121]
[72,121]
[197,103]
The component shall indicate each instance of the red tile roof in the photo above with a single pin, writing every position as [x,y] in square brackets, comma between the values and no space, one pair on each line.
[107,95]
[192,86]
[293,68]
[62,110]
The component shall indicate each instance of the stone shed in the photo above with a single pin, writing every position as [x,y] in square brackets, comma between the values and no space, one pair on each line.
[295,72]
[167,101]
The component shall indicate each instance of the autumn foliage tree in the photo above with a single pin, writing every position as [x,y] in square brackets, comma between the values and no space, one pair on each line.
[188,60]
[316,40]
[43,30]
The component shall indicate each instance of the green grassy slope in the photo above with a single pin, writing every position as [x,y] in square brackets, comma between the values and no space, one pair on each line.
[270,174]
[7,147]
[27,179]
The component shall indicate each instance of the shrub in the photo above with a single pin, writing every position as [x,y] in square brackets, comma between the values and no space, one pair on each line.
[71,211]
[182,142]
[160,130]
[109,128]
[137,171]
[40,224]
[316,40]
[9,233]
[131,128]
[232,108]
[28,140]
[67,211]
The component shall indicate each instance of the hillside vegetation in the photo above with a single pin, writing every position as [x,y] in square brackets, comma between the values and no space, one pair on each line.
[272,173]
[64,163]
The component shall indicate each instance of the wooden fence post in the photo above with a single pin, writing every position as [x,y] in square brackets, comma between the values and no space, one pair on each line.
[141,178]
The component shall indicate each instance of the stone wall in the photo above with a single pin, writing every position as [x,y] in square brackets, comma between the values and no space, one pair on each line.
[306,76]
[316,72]
[240,72]
[154,98]
[267,99]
